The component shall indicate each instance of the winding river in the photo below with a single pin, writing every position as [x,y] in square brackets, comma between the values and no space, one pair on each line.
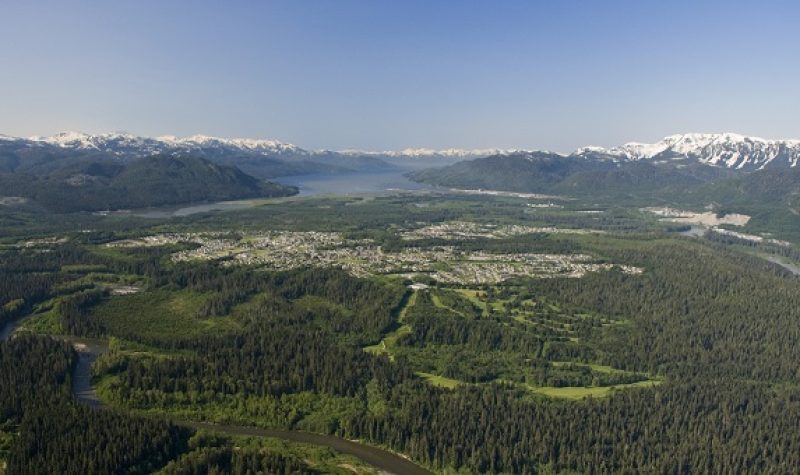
[89,349]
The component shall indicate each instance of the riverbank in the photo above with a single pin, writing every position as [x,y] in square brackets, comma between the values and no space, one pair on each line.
[388,462]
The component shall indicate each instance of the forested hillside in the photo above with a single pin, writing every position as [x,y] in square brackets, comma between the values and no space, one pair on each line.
[541,172]
[108,184]
[688,364]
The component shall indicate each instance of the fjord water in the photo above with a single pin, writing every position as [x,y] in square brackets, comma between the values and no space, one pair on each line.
[309,185]
[352,183]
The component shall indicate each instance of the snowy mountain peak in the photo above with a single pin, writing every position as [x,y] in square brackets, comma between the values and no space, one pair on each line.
[124,144]
[434,153]
[725,149]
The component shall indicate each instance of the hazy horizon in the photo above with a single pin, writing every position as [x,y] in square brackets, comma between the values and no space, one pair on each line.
[383,76]
[354,149]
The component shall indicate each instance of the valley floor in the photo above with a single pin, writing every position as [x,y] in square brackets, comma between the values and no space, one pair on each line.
[469,333]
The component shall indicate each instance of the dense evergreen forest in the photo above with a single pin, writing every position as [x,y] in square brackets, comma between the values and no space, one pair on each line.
[107,184]
[689,366]
[58,436]
[726,384]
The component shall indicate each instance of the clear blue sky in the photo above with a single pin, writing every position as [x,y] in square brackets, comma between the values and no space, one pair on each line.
[391,74]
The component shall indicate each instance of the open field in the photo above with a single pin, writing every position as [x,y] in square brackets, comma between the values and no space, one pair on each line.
[576,393]
[390,339]
[159,314]
[440,381]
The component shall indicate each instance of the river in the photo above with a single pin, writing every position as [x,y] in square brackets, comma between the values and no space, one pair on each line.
[89,349]
[8,329]
[378,458]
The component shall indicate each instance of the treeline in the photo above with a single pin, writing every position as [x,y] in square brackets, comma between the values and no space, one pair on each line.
[690,427]
[373,305]
[219,460]
[72,439]
[435,325]
[790,252]
[45,380]
[270,359]
[55,435]
[719,327]
[696,310]
[30,276]
[73,311]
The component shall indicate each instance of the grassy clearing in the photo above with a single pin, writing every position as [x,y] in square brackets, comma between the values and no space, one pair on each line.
[477,298]
[440,381]
[159,314]
[437,301]
[390,339]
[472,296]
[576,393]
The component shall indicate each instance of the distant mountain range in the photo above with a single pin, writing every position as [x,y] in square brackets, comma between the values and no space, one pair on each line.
[123,144]
[726,169]
[258,157]
[725,150]
[82,171]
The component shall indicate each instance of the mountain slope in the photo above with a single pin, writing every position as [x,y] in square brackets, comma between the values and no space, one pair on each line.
[260,158]
[104,184]
[542,172]
[725,150]
[762,187]
[271,158]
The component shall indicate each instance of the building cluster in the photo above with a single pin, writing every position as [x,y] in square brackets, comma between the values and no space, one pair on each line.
[282,250]
[460,230]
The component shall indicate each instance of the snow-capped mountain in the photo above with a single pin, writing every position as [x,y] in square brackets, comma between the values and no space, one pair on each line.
[122,144]
[258,157]
[725,150]
[454,153]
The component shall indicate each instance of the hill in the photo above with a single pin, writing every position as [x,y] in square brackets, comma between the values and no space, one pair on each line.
[260,158]
[542,172]
[769,186]
[108,184]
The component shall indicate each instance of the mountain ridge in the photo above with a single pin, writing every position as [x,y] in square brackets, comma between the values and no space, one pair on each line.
[121,144]
[727,149]
[730,150]
[156,180]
